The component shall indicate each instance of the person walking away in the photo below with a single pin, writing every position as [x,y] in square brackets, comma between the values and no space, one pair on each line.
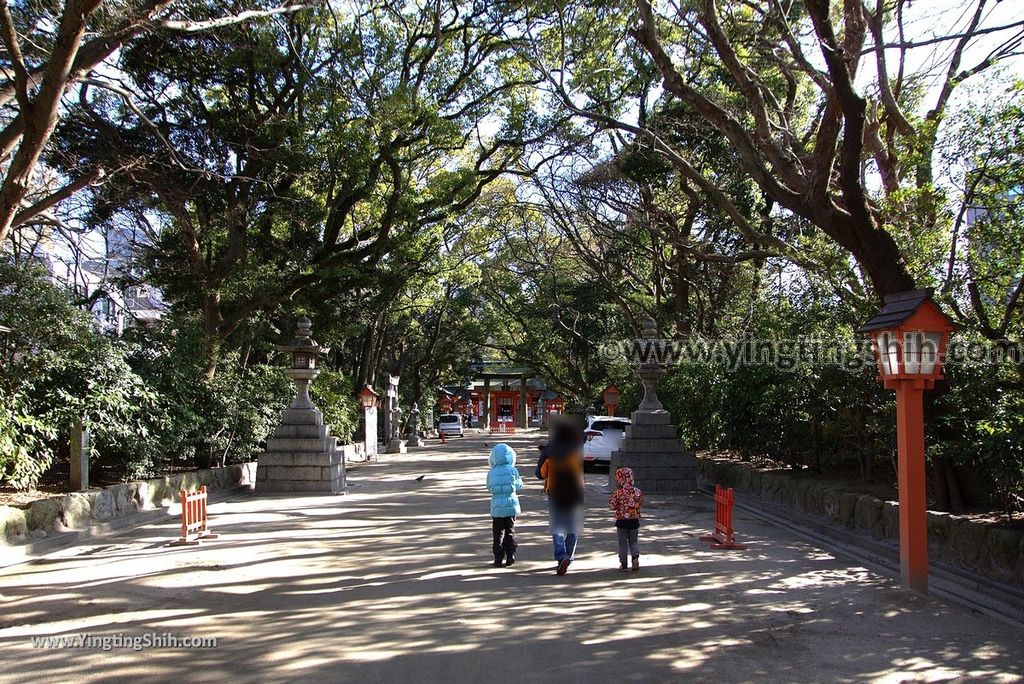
[626,501]
[504,483]
[561,468]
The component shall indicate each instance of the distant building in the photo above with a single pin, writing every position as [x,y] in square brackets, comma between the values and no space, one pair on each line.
[94,281]
[499,393]
[976,213]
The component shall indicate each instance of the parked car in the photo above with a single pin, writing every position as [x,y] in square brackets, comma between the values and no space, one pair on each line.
[450,424]
[604,435]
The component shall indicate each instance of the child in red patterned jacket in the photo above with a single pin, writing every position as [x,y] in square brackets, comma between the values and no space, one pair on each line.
[626,502]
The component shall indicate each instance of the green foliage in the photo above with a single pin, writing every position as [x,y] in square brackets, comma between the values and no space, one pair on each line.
[999,439]
[981,430]
[61,370]
[24,445]
[331,392]
[431,198]
[144,399]
[225,419]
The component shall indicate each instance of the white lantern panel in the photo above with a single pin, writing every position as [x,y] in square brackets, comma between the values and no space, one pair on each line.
[912,353]
[888,353]
[930,345]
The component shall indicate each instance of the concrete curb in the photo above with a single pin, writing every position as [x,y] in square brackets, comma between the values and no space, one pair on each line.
[978,548]
[28,552]
[975,591]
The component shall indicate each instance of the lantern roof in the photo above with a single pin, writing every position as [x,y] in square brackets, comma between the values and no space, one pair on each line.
[303,342]
[368,390]
[900,307]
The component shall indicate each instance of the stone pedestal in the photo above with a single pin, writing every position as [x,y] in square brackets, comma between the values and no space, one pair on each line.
[659,460]
[302,456]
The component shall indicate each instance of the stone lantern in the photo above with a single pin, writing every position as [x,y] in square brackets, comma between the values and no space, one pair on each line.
[304,351]
[302,455]
[649,367]
[651,447]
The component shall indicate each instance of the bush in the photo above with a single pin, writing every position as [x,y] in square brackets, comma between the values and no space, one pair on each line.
[144,398]
[332,394]
[980,428]
[24,445]
[60,370]
[199,422]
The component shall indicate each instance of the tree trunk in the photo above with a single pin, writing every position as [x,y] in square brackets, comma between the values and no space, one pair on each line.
[211,355]
[417,381]
[877,253]
[365,360]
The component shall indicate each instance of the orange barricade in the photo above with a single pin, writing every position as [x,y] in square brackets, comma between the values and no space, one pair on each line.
[503,428]
[723,534]
[193,518]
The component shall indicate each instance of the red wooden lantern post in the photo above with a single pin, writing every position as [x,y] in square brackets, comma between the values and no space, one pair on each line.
[369,400]
[909,337]
[611,395]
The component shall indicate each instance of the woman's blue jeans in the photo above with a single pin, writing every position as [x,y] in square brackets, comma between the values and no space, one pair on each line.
[565,527]
[565,546]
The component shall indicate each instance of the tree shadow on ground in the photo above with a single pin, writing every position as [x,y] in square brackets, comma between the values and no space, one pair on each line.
[394,583]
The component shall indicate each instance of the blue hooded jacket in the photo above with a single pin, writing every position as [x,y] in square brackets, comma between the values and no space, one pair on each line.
[503,481]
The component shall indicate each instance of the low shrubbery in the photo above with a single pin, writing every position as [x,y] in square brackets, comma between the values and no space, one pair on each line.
[841,421]
[143,397]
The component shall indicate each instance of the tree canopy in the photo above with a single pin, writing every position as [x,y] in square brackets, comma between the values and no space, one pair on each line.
[441,183]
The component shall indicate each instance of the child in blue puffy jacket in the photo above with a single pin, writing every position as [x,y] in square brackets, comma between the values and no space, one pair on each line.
[503,481]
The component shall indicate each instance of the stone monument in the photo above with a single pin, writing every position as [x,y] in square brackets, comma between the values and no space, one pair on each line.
[660,461]
[412,434]
[390,402]
[79,453]
[302,456]
[396,445]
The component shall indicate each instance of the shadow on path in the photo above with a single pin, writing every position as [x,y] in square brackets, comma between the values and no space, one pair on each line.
[393,583]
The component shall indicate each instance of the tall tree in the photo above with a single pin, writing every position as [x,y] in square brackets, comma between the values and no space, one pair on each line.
[49,47]
[816,166]
[283,156]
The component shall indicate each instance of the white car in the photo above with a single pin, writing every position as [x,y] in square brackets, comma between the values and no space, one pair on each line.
[604,435]
[450,424]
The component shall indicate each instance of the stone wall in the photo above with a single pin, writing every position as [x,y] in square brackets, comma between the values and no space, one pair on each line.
[983,548]
[82,509]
